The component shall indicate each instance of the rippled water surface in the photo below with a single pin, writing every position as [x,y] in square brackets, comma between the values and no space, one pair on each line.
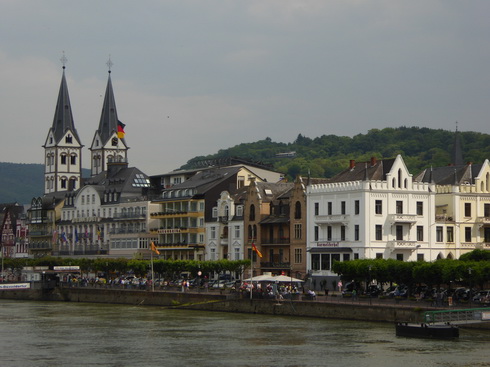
[76,334]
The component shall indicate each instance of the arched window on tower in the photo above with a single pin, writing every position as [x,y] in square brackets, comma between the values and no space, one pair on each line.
[297,210]
[69,139]
[252,212]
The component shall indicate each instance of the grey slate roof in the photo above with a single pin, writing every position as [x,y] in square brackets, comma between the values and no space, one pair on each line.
[207,179]
[123,181]
[108,118]
[365,171]
[450,175]
[63,117]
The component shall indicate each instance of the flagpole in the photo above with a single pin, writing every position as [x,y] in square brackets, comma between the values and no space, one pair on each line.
[251,274]
[152,276]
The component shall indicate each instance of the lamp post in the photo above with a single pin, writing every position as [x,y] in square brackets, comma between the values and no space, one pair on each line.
[417,252]
[471,289]
[369,284]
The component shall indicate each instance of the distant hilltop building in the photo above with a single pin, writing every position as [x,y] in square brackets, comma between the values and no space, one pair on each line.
[286,155]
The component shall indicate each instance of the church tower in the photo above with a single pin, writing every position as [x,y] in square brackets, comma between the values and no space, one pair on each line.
[62,149]
[108,144]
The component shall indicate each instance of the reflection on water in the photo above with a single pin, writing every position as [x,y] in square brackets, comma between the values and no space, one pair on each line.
[75,334]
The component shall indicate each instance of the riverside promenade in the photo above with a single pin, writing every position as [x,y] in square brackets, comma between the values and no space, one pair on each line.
[333,306]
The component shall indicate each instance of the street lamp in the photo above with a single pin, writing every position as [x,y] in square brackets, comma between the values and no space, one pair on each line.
[471,289]
[369,284]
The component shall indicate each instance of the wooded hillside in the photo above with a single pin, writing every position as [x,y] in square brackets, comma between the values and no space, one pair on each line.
[322,157]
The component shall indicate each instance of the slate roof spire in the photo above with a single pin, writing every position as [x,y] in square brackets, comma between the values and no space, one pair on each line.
[63,116]
[108,118]
[457,153]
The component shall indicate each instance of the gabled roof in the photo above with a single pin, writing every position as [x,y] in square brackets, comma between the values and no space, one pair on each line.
[450,175]
[207,179]
[63,117]
[374,170]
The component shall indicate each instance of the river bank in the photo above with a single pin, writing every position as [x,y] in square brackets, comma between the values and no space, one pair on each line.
[323,307]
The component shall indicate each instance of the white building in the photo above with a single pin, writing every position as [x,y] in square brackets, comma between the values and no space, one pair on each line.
[225,234]
[370,210]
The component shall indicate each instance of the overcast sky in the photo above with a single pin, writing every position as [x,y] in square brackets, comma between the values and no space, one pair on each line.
[193,77]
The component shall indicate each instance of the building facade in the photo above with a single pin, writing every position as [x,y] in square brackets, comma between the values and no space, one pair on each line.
[370,210]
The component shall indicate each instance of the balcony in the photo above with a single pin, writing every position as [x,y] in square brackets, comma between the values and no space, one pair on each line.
[403,244]
[275,241]
[483,221]
[441,218]
[275,265]
[332,219]
[402,218]
[130,216]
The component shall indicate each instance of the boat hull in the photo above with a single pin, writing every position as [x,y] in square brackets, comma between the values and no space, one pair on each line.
[427,331]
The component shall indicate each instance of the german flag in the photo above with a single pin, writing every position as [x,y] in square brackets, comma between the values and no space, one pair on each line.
[120,129]
[256,249]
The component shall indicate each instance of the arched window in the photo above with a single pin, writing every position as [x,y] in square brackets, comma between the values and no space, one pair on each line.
[252,212]
[400,178]
[297,210]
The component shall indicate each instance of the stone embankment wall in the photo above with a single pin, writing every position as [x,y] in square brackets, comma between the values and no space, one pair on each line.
[224,303]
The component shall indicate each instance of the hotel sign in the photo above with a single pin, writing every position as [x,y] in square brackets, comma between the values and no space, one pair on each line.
[7,287]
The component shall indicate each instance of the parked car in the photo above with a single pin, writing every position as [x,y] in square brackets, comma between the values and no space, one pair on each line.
[482,297]
[374,290]
[397,291]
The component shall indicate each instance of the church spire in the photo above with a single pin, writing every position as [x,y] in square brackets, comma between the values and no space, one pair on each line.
[63,116]
[108,118]
[457,153]
[108,146]
[63,148]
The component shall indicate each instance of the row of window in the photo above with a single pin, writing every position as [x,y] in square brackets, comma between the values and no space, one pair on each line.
[378,208]
[65,183]
[63,159]
[399,233]
[125,212]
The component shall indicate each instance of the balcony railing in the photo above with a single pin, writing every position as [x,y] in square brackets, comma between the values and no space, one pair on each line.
[275,241]
[403,218]
[403,244]
[483,220]
[275,265]
[332,219]
[444,218]
[130,216]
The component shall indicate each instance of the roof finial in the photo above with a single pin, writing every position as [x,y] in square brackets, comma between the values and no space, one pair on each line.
[63,60]
[109,64]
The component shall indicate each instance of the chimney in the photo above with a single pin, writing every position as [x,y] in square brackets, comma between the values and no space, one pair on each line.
[352,164]
[373,161]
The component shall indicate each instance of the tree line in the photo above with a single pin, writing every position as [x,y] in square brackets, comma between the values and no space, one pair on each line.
[327,155]
[163,269]
[471,270]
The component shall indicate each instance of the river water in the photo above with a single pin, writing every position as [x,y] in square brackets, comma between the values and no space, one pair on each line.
[76,334]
